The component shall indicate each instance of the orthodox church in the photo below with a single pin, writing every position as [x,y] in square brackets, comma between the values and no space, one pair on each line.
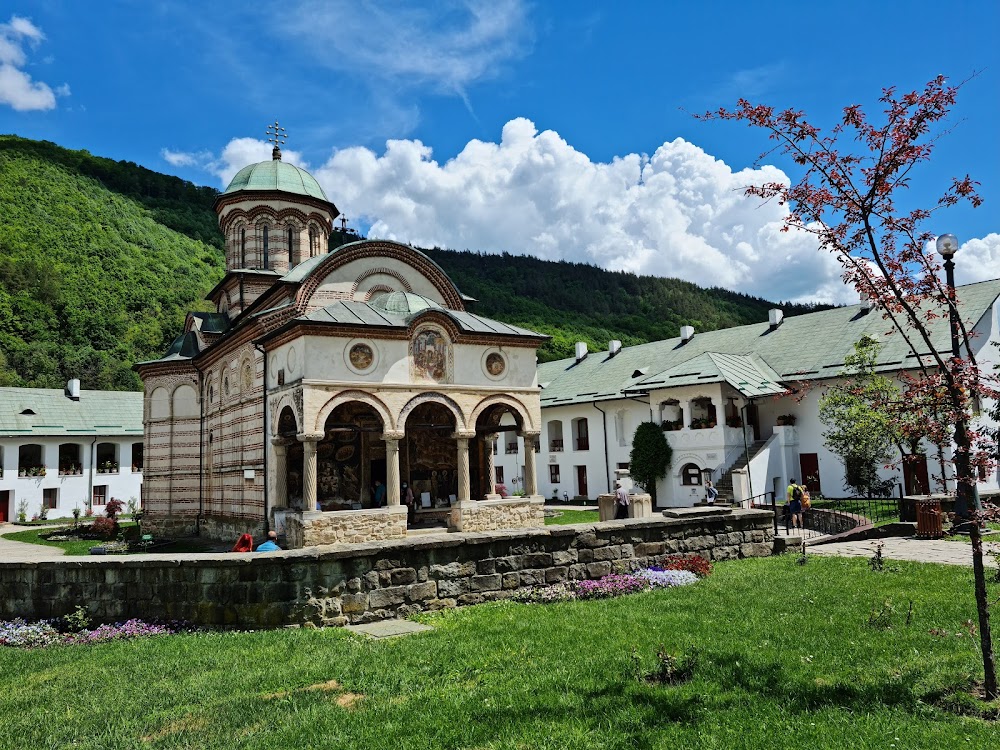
[335,388]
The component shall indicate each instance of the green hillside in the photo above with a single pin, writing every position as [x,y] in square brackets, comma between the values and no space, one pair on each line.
[100,260]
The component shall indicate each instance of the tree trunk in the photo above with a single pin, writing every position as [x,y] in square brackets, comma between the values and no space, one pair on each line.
[983,609]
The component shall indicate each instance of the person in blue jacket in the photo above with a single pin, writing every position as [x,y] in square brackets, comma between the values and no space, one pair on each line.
[271,545]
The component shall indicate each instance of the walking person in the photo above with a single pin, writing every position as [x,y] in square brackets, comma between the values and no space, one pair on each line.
[794,500]
[379,493]
[621,501]
[711,494]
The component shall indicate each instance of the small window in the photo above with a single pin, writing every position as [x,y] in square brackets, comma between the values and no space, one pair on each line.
[312,242]
[30,461]
[50,498]
[512,447]
[137,457]
[265,239]
[107,458]
[291,239]
[554,473]
[499,474]
[100,494]
[28,413]
[496,447]
[243,248]
[690,475]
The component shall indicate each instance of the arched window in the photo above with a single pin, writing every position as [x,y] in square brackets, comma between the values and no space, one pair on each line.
[137,457]
[313,244]
[264,243]
[243,247]
[70,459]
[291,240]
[107,458]
[690,475]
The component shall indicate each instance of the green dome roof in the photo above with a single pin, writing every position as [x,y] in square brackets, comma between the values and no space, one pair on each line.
[405,303]
[276,175]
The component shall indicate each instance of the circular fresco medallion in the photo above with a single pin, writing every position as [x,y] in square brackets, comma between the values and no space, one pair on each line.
[495,364]
[361,356]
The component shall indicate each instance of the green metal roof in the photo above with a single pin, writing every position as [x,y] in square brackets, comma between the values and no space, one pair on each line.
[276,175]
[748,374]
[365,314]
[803,347]
[96,413]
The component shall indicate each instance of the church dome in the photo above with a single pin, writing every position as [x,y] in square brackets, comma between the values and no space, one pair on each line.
[276,175]
[402,303]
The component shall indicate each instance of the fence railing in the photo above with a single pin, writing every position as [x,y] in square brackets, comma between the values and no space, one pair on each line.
[827,517]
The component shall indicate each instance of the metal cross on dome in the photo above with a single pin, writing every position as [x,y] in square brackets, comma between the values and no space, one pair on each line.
[276,135]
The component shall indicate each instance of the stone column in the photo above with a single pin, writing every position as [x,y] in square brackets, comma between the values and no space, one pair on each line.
[490,442]
[530,477]
[392,466]
[464,483]
[309,441]
[280,473]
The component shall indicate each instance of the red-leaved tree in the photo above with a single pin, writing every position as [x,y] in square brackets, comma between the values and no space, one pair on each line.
[850,197]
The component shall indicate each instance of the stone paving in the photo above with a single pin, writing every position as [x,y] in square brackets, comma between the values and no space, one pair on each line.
[388,628]
[908,548]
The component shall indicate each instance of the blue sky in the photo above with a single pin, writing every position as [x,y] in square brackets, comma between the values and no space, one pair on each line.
[559,129]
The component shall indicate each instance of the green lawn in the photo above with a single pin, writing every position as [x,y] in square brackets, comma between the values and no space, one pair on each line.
[574,516]
[34,536]
[786,660]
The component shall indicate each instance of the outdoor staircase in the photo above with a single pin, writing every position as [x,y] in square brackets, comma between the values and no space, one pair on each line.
[725,483]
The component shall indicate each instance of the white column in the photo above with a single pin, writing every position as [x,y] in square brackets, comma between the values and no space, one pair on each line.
[280,473]
[392,466]
[309,441]
[530,477]
[490,445]
[464,484]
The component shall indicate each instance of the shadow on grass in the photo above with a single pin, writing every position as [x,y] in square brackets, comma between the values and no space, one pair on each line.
[771,681]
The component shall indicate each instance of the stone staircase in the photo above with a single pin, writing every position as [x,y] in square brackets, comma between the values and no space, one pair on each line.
[725,483]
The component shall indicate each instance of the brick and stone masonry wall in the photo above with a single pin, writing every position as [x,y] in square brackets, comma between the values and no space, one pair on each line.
[341,584]
[493,515]
[314,528]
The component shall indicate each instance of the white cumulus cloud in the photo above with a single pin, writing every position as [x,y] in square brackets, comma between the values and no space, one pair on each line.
[17,88]
[679,212]
[238,153]
[978,260]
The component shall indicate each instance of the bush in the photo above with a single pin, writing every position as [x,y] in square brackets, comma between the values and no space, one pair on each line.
[113,508]
[104,528]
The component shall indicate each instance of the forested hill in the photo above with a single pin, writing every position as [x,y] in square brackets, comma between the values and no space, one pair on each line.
[577,302]
[100,260]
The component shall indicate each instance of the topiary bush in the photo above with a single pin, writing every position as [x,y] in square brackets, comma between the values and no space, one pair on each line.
[650,457]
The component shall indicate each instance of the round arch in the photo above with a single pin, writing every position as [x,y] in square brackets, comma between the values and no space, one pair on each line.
[503,403]
[435,398]
[344,397]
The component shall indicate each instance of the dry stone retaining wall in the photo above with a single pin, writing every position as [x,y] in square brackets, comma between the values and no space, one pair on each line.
[365,582]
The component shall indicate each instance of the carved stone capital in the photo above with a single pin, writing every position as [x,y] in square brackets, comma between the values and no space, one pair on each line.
[393,435]
[310,437]
[463,434]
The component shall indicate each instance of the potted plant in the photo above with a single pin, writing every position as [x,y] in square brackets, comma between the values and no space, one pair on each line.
[734,421]
[786,420]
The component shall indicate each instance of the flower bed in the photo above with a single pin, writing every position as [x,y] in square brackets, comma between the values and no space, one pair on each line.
[680,570]
[22,634]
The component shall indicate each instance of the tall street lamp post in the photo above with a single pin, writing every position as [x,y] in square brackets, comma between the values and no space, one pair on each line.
[966,496]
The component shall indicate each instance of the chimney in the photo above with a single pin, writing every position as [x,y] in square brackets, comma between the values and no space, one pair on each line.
[581,350]
[73,389]
[774,317]
[687,333]
[614,347]
[867,303]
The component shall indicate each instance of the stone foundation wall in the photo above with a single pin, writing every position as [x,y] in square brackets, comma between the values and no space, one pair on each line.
[372,581]
[493,515]
[313,528]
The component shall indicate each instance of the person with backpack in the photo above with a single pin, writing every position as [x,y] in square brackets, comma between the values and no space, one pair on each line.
[794,497]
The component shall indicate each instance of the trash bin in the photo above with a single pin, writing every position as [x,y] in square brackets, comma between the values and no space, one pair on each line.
[929,524]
